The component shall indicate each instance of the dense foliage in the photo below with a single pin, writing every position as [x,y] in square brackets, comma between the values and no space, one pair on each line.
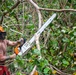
[57,49]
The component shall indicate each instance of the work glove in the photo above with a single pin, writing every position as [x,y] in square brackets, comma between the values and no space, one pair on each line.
[18,47]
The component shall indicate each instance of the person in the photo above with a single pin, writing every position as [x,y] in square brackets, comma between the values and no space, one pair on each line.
[4,43]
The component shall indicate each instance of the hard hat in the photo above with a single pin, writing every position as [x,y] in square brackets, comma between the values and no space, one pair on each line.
[1,29]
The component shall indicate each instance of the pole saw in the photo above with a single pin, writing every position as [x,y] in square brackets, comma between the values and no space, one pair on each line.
[28,44]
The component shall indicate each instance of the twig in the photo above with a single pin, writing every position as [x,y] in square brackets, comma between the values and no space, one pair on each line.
[9,62]
[13,30]
[65,47]
[45,41]
[58,71]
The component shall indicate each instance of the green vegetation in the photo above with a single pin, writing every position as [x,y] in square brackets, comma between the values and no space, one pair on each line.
[56,50]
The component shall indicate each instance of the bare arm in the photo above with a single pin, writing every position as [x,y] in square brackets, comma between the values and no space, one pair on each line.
[14,43]
[4,58]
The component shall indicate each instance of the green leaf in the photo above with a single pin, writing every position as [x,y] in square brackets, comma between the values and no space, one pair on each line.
[54,43]
[67,7]
[74,33]
[18,73]
[37,52]
[64,31]
[30,26]
[65,63]
[26,16]
[46,70]
[66,40]
[43,63]
[20,61]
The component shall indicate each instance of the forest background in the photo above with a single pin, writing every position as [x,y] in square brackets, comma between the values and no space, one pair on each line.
[57,44]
